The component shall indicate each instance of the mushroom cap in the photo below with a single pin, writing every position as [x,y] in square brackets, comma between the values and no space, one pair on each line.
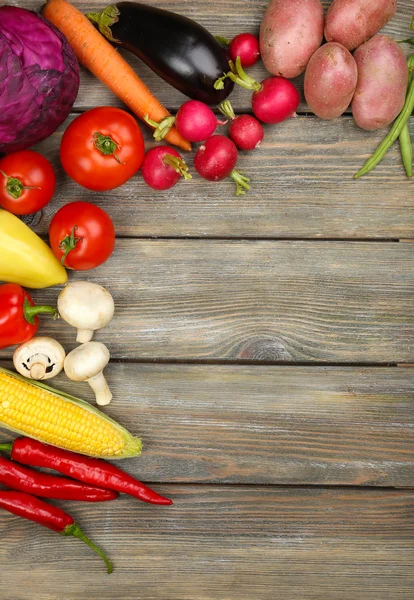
[40,350]
[86,361]
[85,305]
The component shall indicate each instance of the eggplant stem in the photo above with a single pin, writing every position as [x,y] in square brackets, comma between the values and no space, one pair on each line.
[105,19]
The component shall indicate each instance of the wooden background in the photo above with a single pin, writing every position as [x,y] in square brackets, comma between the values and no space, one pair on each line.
[261,347]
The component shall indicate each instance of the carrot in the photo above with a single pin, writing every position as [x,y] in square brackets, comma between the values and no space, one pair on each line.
[96,54]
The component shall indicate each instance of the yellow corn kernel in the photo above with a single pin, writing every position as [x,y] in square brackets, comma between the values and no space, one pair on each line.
[34,409]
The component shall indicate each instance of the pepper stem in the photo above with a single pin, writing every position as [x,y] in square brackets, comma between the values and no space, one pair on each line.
[161,128]
[178,164]
[242,182]
[6,447]
[105,20]
[15,187]
[68,244]
[30,312]
[106,145]
[76,531]
[227,109]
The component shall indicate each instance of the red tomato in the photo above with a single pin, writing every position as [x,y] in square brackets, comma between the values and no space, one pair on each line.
[102,148]
[27,182]
[83,233]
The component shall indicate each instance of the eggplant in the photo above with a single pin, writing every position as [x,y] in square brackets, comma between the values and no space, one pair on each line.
[176,48]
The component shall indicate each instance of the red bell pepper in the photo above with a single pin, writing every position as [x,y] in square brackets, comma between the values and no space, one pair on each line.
[18,315]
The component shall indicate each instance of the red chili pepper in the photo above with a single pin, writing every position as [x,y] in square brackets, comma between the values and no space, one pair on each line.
[86,469]
[18,315]
[27,480]
[34,509]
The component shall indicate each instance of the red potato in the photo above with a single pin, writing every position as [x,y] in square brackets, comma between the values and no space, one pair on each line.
[290,33]
[382,82]
[353,22]
[330,80]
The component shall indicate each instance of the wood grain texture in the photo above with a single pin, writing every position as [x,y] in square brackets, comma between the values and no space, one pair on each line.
[226,19]
[264,425]
[254,301]
[302,187]
[220,543]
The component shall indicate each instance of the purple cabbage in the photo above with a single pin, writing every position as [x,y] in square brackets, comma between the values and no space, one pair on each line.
[39,78]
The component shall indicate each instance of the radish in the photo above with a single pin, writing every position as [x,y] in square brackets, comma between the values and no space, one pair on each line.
[245,131]
[215,160]
[194,120]
[245,45]
[163,167]
[273,100]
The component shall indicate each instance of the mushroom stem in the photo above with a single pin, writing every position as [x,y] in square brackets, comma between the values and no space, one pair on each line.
[100,387]
[84,335]
[38,369]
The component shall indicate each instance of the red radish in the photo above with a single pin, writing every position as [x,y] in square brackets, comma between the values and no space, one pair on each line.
[215,160]
[197,120]
[245,131]
[273,100]
[163,167]
[194,118]
[245,45]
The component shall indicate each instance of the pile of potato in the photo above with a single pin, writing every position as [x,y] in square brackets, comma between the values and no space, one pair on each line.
[373,79]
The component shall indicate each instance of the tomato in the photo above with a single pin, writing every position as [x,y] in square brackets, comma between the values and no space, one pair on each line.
[102,148]
[82,235]
[27,182]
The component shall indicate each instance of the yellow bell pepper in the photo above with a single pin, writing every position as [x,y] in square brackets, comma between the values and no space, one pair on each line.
[25,258]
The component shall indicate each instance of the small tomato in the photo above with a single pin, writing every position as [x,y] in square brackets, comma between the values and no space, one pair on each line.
[102,148]
[27,182]
[82,236]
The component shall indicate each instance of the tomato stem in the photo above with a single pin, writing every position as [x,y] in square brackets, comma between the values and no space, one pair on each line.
[106,145]
[15,187]
[68,244]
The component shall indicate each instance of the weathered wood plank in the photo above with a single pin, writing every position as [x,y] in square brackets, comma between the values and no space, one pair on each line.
[302,187]
[264,425]
[227,20]
[222,543]
[255,301]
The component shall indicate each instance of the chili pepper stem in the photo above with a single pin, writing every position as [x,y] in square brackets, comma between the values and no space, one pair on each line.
[6,447]
[30,312]
[77,532]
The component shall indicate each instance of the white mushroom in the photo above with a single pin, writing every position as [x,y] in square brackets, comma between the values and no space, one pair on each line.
[86,363]
[39,358]
[86,306]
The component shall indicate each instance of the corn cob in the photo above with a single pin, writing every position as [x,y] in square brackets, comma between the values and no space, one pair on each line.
[38,411]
